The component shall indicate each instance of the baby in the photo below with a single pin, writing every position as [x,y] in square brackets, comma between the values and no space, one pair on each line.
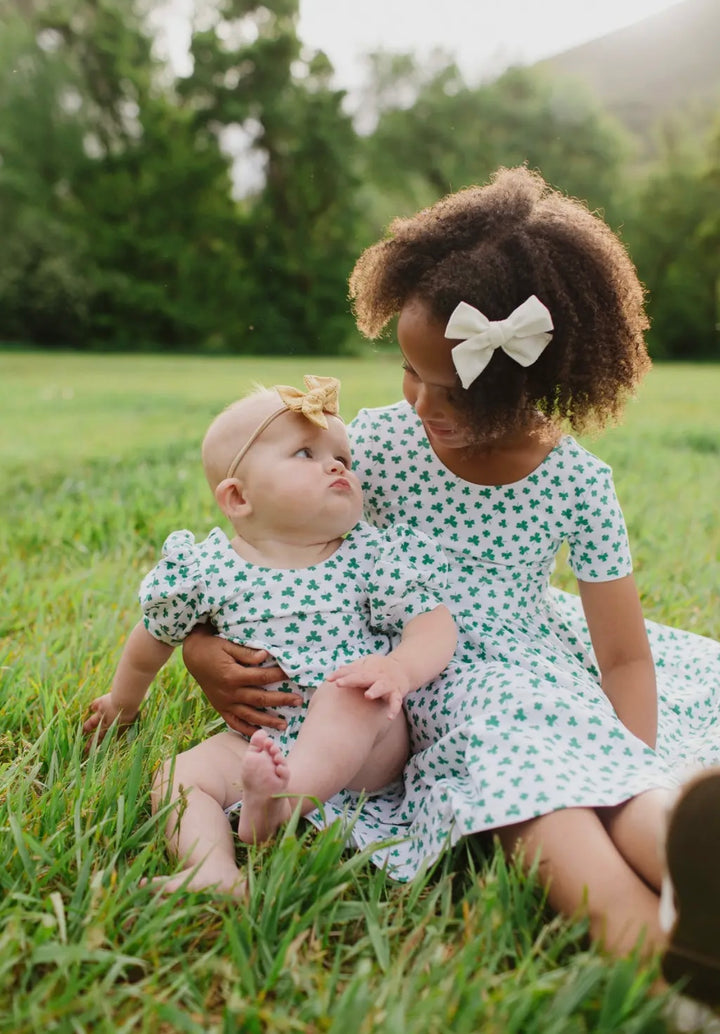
[351,614]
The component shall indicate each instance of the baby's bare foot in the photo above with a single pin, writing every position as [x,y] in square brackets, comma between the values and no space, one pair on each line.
[207,877]
[264,773]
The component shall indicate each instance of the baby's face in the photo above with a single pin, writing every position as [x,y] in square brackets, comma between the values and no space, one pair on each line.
[298,476]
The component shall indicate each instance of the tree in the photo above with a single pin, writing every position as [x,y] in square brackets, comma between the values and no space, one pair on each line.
[674,238]
[116,212]
[435,134]
[121,228]
[298,229]
[43,292]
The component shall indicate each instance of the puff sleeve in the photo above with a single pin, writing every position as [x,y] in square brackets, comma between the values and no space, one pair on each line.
[173,595]
[409,577]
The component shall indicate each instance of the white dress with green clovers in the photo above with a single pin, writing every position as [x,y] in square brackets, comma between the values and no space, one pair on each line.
[519,725]
[310,620]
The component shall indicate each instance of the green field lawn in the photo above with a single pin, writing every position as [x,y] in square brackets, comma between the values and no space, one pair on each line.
[99,460]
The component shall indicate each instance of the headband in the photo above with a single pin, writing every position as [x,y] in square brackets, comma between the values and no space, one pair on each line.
[320,398]
[523,335]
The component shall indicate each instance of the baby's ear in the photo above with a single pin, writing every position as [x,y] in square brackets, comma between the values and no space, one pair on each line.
[231,498]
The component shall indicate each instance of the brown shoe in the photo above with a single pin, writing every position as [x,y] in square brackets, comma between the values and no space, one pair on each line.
[692,851]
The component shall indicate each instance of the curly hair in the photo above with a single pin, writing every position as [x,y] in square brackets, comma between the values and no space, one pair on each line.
[493,246]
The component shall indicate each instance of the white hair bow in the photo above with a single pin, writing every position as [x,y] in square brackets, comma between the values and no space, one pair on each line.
[523,335]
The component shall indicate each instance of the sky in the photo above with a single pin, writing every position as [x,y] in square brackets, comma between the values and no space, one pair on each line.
[483,36]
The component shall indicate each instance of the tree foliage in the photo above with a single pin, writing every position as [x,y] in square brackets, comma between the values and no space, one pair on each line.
[296,235]
[42,285]
[116,195]
[435,134]
[674,237]
[222,210]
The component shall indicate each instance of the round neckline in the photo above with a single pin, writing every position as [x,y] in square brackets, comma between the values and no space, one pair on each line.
[476,484]
[228,547]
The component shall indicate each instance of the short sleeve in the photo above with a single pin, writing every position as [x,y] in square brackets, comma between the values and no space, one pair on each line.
[173,595]
[409,577]
[599,546]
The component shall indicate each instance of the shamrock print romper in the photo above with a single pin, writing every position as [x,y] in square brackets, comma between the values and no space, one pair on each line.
[310,620]
[518,725]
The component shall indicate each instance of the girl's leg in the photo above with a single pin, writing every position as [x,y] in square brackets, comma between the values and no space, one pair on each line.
[346,741]
[680,840]
[637,828]
[201,783]
[584,873]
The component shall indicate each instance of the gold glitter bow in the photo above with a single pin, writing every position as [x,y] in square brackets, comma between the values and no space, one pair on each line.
[320,398]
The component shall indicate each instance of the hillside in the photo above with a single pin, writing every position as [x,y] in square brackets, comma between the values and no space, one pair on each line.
[669,62]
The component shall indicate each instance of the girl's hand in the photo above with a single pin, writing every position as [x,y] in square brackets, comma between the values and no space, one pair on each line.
[231,678]
[381,676]
[104,714]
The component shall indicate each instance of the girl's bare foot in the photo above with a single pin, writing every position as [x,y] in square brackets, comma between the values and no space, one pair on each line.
[223,880]
[264,773]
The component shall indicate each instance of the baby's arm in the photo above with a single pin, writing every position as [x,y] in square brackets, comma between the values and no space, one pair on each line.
[427,645]
[141,660]
[617,629]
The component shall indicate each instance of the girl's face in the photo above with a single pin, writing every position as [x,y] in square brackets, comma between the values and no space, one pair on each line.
[430,382]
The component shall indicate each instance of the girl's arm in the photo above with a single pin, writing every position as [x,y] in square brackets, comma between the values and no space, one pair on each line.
[620,641]
[426,648]
[141,660]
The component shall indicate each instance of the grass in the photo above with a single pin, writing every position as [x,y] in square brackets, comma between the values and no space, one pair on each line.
[99,462]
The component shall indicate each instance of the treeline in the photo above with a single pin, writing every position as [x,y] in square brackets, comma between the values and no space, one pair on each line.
[126,224]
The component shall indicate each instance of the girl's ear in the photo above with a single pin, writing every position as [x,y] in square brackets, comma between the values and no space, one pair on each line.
[231,498]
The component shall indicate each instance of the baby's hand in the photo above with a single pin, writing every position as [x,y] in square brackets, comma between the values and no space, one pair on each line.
[381,676]
[105,713]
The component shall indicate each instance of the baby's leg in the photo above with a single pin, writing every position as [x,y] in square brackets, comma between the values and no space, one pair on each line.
[205,780]
[346,741]
[585,873]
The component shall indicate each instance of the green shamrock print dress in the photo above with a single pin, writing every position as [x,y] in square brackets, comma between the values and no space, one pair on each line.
[518,725]
[311,620]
